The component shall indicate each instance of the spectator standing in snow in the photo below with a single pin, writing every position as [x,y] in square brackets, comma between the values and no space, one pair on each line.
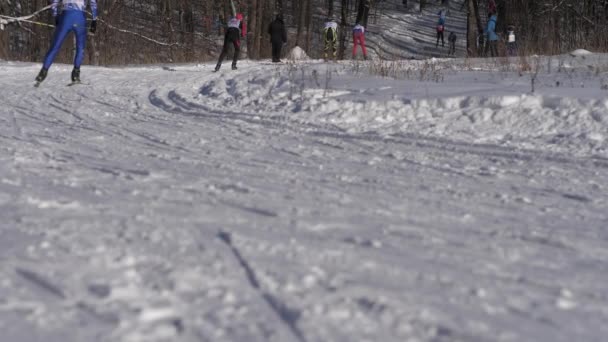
[232,36]
[359,39]
[70,16]
[440,28]
[330,37]
[492,36]
[452,41]
[511,42]
[278,37]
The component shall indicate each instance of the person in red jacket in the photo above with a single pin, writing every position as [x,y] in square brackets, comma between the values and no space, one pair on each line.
[492,6]
[359,39]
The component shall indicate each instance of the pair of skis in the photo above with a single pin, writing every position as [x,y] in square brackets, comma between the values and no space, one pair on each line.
[71,84]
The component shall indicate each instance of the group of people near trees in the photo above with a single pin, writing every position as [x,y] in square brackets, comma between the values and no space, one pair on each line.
[488,40]
[330,39]
[70,16]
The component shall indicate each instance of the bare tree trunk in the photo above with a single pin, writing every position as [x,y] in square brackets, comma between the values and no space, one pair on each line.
[259,29]
[253,25]
[342,33]
[308,25]
[4,49]
[300,39]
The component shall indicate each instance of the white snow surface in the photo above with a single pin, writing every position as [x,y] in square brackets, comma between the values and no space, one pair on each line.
[581,53]
[306,202]
[297,54]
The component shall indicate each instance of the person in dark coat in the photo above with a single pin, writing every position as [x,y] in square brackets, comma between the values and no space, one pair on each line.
[278,37]
[440,28]
[452,40]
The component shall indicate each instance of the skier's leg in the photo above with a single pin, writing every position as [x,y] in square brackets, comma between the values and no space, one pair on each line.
[80,30]
[335,49]
[276,51]
[354,46]
[362,42]
[223,53]
[60,33]
[237,50]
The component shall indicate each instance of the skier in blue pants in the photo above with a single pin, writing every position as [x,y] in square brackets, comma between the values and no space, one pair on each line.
[71,18]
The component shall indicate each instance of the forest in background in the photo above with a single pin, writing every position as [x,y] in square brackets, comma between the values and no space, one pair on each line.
[152,31]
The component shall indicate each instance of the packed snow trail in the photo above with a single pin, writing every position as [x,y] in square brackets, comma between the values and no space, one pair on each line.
[403,33]
[301,203]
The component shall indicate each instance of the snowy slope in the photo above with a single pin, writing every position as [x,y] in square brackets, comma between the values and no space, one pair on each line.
[308,202]
[396,32]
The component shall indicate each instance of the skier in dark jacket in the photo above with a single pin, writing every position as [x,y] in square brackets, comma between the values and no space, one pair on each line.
[440,28]
[70,16]
[452,40]
[278,37]
[232,36]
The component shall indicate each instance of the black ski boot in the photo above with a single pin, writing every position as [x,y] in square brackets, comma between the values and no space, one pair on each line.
[217,68]
[234,67]
[42,75]
[76,75]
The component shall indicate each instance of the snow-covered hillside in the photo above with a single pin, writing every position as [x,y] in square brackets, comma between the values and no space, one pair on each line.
[397,32]
[305,202]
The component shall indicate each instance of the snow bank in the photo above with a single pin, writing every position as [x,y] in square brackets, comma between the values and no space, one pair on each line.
[515,118]
[297,54]
[580,53]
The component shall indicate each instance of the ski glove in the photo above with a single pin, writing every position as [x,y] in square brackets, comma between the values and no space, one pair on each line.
[93,28]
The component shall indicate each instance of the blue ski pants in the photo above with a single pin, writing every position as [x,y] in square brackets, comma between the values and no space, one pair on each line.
[69,21]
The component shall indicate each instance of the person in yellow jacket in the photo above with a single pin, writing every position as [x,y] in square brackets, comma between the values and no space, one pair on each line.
[330,37]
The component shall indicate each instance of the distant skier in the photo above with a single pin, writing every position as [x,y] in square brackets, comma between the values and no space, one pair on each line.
[70,16]
[491,6]
[511,42]
[492,36]
[232,36]
[452,41]
[278,37]
[446,4]
[440,28]
[359,39]
[330,37]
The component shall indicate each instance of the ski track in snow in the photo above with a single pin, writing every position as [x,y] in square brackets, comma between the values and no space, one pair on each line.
[302,203]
